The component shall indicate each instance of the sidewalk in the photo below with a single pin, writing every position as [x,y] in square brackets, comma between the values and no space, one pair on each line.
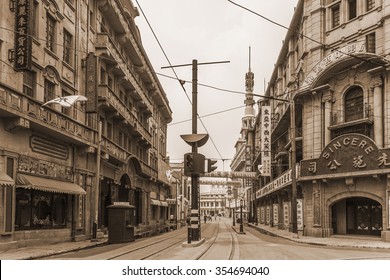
[46,250]
[352,241]
[28,253]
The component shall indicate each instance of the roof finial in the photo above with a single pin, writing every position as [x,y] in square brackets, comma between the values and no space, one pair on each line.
[249,58]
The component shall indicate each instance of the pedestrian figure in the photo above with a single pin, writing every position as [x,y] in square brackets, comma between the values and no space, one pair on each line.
[171,220]
[205,218]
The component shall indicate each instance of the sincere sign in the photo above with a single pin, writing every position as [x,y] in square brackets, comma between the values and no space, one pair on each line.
[347,153]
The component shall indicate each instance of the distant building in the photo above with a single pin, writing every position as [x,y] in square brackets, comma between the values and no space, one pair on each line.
[178,200]
[333,67]
[56,176]
[213,203]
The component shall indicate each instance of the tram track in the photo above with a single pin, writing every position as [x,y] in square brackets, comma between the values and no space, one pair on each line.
[232,243]
[220,243]
[212,234]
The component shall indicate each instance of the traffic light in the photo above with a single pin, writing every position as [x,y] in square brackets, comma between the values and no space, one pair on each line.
[193,164]
[210,166]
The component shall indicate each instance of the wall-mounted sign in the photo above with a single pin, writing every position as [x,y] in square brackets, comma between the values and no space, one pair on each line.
[347,153]
[23,40]
[265,141]
[331,59]
[268,215]
[44,168]
[91,84]
[299,214]
[286,214]
[282,181]
[276,214]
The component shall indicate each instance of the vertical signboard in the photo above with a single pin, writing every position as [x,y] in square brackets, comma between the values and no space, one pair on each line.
[286,214]
[276,215]
[262,215]
[299,214]
[91,86]
[22,35]
[268,215]
[266,140]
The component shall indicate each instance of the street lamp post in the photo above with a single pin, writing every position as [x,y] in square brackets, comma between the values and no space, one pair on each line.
[241,222]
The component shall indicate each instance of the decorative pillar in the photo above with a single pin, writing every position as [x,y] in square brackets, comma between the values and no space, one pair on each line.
[327,120]
[386,223]
[378,113]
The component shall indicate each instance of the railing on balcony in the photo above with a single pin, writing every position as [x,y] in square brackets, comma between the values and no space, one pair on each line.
[20,105]
[105,92]
[113,149]
[106,43]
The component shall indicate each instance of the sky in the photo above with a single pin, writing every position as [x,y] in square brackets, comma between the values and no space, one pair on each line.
[211,31]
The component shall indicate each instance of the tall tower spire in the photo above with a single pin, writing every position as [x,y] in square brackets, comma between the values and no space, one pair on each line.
[249,83]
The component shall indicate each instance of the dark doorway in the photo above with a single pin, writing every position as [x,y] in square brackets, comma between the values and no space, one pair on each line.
[357,215]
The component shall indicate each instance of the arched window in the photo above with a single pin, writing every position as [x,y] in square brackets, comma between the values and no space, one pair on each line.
[353,105]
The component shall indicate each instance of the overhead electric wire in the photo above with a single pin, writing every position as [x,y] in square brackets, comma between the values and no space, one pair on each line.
[208,115]
[302,35]
[180,81]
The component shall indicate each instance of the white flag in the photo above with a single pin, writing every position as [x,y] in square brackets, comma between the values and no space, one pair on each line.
[66,101]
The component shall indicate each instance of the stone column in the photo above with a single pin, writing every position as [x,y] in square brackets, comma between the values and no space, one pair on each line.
[386,223]
[378,113]
[327,120]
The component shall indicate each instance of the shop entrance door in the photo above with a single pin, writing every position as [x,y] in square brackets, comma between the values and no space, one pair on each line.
[364,216]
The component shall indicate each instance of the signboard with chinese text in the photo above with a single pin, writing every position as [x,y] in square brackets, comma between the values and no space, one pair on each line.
[286,214]
[262,216]
[299,214]
[282,181]
[91,85]
[345,154]
[266,140]
[268,215]
[23,40]
[276,214]
[331,59]
[232,174]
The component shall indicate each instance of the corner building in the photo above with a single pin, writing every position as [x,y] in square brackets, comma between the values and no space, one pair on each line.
[331,78]
[61,167]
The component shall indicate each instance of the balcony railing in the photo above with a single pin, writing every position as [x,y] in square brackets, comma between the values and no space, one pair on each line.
[105,44]
[19,105]
[106,94]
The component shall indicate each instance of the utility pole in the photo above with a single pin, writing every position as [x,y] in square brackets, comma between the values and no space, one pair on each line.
[97,183]
[293,171]
[195,140]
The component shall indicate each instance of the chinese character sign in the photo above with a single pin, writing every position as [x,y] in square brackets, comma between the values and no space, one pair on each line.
[22,35]
[91,85]
[266,140]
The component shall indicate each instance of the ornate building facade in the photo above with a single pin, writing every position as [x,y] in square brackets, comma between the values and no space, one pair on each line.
[329,102]
[61,167]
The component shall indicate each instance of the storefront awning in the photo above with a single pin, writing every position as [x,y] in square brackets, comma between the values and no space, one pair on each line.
[158,203]
[155,202]
[48,185]
[6,180]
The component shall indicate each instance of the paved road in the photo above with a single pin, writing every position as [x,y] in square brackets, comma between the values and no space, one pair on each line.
[222,242]
[257,246]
